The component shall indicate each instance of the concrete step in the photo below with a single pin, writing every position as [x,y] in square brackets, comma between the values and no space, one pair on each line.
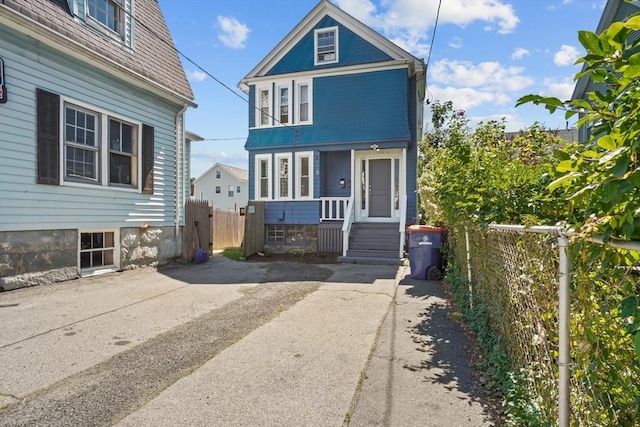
[372,244]
[370,261]
[373,253]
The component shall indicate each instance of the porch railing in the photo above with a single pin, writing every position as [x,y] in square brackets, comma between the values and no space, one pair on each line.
[403,222]
[346,225]
[333,208]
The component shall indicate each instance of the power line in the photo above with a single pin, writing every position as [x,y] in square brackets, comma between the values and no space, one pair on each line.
[433,37]
[171,45]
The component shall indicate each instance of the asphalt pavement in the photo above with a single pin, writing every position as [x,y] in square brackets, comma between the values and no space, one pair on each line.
[230,343]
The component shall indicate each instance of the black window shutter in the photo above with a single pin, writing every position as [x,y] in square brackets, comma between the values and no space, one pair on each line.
[48,133]
[147,159]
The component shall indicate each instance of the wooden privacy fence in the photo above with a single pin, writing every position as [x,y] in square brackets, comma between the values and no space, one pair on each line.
[228,229]
[197,229]
[254,229]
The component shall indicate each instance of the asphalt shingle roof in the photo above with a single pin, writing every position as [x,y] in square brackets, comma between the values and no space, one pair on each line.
[153,55]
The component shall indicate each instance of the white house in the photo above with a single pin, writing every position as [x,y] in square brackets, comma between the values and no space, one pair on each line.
[225,187]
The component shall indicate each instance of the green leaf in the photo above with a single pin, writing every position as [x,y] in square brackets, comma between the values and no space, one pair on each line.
[566,166]
[607,143]
[563,180]
[628,306]
[528,98]
[610,155]
[633,23]
[621,166]
[636,344]
[590,41]
[561,154]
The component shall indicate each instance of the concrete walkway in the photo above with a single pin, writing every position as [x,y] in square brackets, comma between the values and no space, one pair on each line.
[235,344]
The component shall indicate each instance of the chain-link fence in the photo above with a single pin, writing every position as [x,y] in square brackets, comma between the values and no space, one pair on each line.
[514,279]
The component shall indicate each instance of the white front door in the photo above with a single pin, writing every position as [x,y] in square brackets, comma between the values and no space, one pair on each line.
[379,175]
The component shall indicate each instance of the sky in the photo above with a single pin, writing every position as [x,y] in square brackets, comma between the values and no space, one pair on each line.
[482,56]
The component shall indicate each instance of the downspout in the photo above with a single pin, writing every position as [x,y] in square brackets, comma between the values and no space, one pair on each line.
[179,172]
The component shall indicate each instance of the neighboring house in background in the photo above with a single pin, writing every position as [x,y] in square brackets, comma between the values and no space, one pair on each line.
[95,168]
[225,187]
[614,11]
[335,117]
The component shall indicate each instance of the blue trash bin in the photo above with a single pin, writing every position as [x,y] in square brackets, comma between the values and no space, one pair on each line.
[424,244]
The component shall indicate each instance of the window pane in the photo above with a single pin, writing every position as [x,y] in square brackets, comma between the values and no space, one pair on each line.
[80,163]
[85,260]
[127,138]
[114,136]
[119,169]
[238,189]
[304,177]
[264,179]
[284,177]
[85,241]
[264,107]
[284,105]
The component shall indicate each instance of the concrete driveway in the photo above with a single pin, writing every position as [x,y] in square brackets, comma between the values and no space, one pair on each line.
[230,344]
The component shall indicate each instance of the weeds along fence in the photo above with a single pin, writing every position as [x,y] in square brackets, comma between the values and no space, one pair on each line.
[585,375]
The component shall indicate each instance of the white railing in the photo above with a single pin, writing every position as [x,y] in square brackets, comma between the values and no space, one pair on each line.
[333,208]
[346,225]
[403,222]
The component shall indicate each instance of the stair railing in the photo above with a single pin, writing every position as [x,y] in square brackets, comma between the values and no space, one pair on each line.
[346,225]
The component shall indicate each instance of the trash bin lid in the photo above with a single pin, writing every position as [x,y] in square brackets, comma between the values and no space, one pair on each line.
[426,228]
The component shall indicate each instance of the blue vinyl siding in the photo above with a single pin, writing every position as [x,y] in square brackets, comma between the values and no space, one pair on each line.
[300,212]
[29,206]
[336,166]
[252,106]
[350,108]
[352,50]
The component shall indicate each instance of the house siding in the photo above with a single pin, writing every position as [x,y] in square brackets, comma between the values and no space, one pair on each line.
[369,106]
[205,189]
[352,50]
[28,206]
[336,166]
[293,212]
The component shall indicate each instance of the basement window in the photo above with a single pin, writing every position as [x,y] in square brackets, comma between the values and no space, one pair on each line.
[97,252]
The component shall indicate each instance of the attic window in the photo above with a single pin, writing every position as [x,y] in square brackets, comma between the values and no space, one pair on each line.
[108,13]
[326,46]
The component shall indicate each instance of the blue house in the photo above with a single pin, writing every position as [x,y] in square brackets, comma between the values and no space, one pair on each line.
[334,119]
[94,166]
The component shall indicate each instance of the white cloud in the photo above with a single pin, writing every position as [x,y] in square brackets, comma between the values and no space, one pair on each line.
[197,76]
[455,43]
[486,75]
[467,98]
[232,33]
[408,22]
[559,89]
[567,55]
[520,53]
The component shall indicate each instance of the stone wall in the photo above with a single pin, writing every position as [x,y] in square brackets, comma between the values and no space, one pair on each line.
[29,258]
[148,247]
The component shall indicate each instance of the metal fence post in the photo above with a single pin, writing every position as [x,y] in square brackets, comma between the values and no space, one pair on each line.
[466,236]
[564,361]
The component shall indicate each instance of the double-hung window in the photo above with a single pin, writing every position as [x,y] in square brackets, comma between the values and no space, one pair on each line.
[265,107]
[263,177]
[283,104]
[304,115]
[230,190]
[326,45]
[304,175]
[99,148]
[109,14]
[283,170]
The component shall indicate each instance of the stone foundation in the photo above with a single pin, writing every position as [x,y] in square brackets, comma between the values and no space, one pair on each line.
[29,258]
[43,257]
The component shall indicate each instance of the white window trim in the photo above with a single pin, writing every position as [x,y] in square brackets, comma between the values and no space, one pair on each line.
[274,103]
[88,272]
[278,121]
[259,158]
[258,109]
[315,45]
[103,157]
[310,101]
[119,36]
[276,172]
[299,157]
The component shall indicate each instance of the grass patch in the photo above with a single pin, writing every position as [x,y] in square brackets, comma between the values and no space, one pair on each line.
[236,254]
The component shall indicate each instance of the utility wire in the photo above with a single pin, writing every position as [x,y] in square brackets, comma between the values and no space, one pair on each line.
[433,37]
[172,46]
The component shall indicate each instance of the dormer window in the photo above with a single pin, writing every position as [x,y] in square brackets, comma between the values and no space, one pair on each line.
[108,13]
[326,46]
